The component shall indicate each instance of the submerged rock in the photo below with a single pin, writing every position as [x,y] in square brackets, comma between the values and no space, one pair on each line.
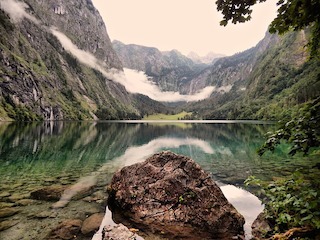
[4,225]
[92,223]
[7,212]
[50,193]
[119,232]
[68,229]
[4,194]
[171,194]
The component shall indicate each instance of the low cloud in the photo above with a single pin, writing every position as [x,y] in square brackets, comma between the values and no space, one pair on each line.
[139,82]
[16,10]
[134,81]
[83,56]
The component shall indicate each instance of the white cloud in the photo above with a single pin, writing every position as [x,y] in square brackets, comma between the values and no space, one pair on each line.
[138,82]
[134,81]
[16,10]
[138,154]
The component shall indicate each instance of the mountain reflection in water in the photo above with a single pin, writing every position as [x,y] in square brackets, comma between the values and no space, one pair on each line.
[83,155]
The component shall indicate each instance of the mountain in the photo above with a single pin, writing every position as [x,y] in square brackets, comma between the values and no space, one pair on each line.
[269,81]
[170,70]
[207,59]
[49,50]
[234,70]
[57,63]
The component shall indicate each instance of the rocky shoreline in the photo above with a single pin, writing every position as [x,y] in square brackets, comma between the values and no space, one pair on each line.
[27,208]
[166,196]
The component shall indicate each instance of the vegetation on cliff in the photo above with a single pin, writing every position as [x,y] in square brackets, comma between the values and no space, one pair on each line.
[41,80]
[271,81]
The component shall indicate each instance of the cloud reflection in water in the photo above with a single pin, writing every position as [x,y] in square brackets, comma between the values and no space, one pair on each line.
[246,203]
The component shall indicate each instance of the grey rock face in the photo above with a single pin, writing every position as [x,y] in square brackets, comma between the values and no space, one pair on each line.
[82,23]
[171,70]
[171,194]
[41,80]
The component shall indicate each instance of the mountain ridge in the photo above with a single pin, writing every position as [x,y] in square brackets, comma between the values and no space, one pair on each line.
[267,81]
[209,58]
[41,80]
[170,70]
[57,63]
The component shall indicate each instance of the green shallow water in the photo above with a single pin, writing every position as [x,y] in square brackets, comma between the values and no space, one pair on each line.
[86,154]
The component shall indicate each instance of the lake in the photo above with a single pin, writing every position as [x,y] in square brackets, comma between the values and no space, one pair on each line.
[82,157]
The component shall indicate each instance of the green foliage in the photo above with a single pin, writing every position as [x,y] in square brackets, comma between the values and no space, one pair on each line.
[297,15]
[187,197]
[114,112]
[290,202]
[294,201]
[105,113]
[235,11]
[148,106]
[281,82]
[178,116]
[21,113]
[72,61]
[302,132]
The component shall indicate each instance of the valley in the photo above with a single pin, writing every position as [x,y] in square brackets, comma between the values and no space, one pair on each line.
[43,78]
[77,106]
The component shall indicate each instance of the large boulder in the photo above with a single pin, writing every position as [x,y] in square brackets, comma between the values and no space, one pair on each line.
[171,194]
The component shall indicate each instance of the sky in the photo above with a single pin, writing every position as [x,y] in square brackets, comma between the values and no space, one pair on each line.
[134,81]
[185,25]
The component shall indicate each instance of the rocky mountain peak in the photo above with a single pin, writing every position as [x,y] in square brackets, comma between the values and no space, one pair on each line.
[80,22]
[207,59]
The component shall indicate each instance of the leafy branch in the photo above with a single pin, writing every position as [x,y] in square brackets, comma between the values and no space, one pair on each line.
[291,202]
[303,132]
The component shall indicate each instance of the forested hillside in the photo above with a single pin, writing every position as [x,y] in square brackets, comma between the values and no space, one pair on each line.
[49,54]
[269,81]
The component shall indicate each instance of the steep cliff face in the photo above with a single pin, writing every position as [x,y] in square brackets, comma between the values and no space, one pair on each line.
[234,70]
[171,71]
[266,80]
[41,79]
[79,21]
